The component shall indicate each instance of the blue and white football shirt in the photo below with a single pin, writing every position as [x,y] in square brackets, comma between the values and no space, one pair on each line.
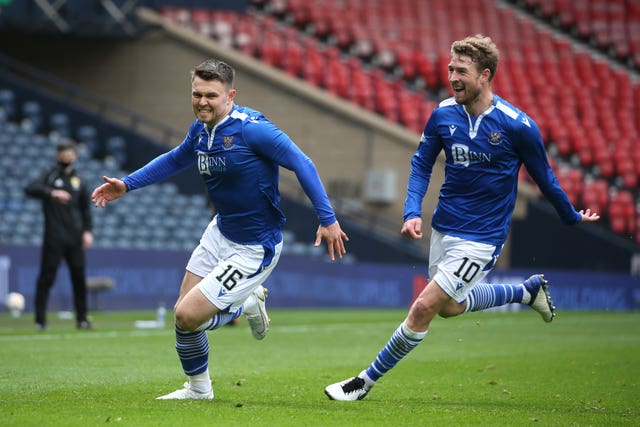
[483,157]
[239,162]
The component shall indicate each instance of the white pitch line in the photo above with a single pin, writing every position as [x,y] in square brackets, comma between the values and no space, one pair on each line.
[85,335]
[304,328]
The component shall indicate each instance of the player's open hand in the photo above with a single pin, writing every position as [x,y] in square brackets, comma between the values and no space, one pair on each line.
[335,238]
[110,190]
[412,229]
[588,216]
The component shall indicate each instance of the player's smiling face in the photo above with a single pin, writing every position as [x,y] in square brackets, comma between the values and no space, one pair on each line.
[465,80]
[211,100]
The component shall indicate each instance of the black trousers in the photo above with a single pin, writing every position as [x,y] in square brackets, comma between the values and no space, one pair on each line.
[52,254]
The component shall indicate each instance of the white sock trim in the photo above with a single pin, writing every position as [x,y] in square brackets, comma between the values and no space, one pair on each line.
[411,333]
[526,295]
[206,325]
[200,383]
[366,378]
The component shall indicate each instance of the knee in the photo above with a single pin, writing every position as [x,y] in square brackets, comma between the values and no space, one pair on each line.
[421,313]
[185,321]
[424,307]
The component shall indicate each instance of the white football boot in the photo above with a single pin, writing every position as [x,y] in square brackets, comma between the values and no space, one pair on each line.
[187,393]
[541,300]
[255,311]
[355,388]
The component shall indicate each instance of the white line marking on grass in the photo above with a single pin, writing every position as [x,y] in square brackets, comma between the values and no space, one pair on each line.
[86,335]
[364,328]
[335,327]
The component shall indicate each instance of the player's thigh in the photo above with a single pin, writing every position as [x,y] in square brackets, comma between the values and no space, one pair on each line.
[189,281]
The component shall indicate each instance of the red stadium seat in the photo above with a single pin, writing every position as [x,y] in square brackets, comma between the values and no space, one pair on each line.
[622,213]
[571,182]
[595,195]
[590,120]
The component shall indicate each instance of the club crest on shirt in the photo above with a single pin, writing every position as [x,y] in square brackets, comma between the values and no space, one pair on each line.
[75,182]
[227,141]
[494,138]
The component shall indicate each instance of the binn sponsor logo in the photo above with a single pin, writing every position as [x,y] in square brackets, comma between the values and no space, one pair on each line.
[461,155]
[208,165]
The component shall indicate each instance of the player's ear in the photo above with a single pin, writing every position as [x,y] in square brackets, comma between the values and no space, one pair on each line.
[486,75]
[232,94]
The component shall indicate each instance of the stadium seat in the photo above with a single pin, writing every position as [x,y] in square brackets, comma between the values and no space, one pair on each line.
[31,113]
[178,15]
[59,123]
[7,103]
[203,21]
[88,135]
[595,195]
[116,147]
[622,213]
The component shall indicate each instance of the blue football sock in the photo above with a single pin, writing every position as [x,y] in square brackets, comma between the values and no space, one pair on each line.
[193,351]
[401,343]
[219,319]
[222,318]
[486,295]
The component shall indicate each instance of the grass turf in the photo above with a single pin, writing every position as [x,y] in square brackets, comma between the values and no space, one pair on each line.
[491,369]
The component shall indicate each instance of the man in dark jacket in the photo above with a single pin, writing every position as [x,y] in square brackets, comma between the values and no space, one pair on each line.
[67,231]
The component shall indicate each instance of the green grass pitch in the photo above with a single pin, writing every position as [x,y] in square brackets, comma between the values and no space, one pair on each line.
[493,369]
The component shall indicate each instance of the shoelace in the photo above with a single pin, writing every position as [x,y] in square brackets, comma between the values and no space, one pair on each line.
[355,384]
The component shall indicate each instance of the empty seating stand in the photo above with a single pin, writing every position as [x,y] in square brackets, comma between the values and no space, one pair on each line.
[366,51]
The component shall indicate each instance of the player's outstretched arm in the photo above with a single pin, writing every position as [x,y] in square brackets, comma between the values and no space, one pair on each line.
[335,237]
[588,216]
[110,190]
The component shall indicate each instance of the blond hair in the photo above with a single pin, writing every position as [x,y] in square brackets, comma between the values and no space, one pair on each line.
[482,51]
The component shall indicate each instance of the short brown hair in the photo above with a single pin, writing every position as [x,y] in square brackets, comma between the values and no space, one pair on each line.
[66,144]
[482,51]
[213,69]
